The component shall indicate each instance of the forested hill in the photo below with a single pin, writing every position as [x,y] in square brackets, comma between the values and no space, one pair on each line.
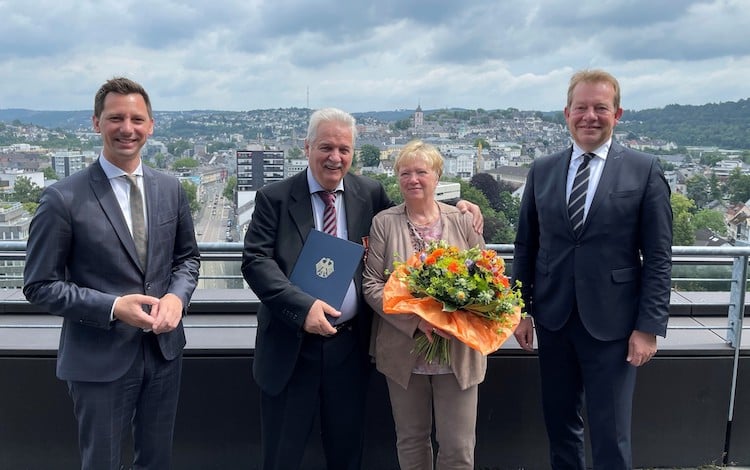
[725,125]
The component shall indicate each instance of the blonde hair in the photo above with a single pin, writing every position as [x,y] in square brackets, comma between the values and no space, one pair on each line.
[416,150]
[594,76]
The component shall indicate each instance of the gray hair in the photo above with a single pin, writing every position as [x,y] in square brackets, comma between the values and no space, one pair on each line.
[330,115]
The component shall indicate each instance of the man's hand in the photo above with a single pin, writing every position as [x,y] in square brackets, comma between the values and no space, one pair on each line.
[477,218]
[641,348]
[167,314]
[316,322]
[524,334]
[129,309]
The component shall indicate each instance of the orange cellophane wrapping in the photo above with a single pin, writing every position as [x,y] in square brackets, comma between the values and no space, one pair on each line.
[481,334]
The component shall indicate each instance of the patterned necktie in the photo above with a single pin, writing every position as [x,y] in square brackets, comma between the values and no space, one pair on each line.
[329,213]
[137,220]
[577,200]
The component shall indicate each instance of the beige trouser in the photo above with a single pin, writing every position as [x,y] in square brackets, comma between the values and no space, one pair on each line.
[455,422]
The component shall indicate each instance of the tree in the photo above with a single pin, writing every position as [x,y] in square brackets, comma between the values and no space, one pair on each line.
[710,219]
[26,191]
[510,207]
[230,188]
[666,166]
[402,125]
[294,152]
[683,233]
[698,189]
[191,191]
[716,187]
[711,159]
[50,173]
[738,186]
[369,155]
[485,144]
[30,207]
[178,147]
[185,163]
[160,160]
[489,187]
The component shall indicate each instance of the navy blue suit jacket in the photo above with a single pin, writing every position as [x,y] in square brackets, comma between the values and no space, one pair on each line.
[282,219]
[619,267]
[80,256]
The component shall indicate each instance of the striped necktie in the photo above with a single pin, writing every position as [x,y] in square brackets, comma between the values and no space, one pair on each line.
[577,200]
[329,213]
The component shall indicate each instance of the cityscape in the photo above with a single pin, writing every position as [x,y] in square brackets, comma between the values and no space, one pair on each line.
[223,157]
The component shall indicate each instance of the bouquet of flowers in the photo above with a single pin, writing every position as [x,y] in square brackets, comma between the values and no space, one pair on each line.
[464,293]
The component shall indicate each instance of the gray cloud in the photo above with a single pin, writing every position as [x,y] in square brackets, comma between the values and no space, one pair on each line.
[363,55]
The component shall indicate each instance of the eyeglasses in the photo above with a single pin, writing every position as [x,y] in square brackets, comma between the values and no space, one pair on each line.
[599,110]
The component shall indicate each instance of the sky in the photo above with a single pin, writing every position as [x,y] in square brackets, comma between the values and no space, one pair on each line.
[371,55]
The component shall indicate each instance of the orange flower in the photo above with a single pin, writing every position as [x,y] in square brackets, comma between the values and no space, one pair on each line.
[454,267]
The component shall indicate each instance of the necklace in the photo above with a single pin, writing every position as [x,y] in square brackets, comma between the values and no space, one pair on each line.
[420,234]
[430,219]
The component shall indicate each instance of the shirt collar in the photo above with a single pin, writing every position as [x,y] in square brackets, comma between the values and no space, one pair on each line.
[314,186]
[600,152]
[114,172]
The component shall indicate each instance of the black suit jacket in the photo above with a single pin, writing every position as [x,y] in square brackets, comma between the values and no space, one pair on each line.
[619,267]
[282,219]
[80,256]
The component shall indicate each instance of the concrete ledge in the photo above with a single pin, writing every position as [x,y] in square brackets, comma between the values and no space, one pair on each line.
[222,321]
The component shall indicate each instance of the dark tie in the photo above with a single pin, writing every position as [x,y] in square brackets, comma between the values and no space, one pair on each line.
[137,221]
[329,213]
[577,200]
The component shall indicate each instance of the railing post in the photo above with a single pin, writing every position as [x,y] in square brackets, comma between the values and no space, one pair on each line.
[734,336]
[737,300]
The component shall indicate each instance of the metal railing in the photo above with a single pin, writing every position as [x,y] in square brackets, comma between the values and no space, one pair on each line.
[728,267]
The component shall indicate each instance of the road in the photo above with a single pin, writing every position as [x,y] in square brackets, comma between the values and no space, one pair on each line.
[216,222]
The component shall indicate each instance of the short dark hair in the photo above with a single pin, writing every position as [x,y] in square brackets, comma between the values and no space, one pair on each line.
[121,86]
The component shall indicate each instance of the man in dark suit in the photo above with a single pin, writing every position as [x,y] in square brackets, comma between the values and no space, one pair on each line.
[595,269]
[310,357]
[121,273]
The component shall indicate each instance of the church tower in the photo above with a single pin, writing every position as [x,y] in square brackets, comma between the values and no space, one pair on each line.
[418,117]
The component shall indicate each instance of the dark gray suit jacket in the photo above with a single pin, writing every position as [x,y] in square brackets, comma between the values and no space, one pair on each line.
[282,219]
[618,268]
[80,256]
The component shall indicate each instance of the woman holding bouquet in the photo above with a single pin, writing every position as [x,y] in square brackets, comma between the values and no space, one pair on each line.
[416,385]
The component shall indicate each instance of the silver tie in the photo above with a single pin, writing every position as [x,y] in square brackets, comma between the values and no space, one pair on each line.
[137,220]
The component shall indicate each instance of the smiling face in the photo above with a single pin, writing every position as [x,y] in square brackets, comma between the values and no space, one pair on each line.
[330,153]
[591,114]
[124,125]
[417,180]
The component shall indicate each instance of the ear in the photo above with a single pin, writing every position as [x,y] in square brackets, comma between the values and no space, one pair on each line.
[95,121]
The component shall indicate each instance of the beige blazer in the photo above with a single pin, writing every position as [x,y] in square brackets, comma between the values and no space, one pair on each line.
[393,335]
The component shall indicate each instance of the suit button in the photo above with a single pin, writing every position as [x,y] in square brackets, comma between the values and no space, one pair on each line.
[148,286]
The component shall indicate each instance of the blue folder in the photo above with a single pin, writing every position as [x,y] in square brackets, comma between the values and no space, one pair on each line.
[325,267]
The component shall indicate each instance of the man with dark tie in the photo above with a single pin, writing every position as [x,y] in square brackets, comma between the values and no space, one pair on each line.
[311,358]
[112,250]
[593,254]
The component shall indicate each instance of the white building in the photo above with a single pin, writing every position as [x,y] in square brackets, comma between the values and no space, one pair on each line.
[10,177]
[65,163]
